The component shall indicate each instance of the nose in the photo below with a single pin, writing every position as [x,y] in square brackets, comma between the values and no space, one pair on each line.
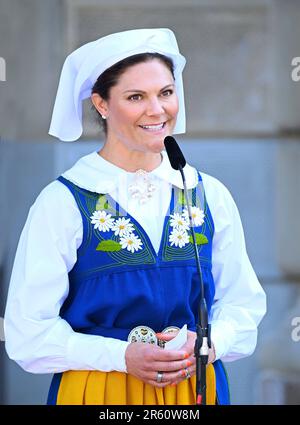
[154,107]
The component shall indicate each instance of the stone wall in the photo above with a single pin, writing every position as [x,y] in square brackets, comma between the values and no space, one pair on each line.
[229,78]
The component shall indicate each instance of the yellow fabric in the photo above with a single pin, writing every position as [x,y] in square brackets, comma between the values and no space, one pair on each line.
[117,388]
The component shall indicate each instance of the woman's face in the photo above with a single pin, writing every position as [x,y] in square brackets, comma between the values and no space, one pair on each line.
[142,107]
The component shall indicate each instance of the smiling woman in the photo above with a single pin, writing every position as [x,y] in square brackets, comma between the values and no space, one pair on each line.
[140,106]
[109,78]
[106,252]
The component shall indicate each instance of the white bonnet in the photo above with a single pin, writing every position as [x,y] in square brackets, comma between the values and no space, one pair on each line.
[82,68]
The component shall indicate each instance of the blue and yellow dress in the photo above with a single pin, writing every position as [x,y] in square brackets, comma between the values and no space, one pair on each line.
[113,290]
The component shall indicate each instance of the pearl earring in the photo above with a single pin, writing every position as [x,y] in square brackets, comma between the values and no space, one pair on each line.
[103,117]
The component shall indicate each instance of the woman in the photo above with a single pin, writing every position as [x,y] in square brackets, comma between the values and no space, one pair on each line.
[105,262]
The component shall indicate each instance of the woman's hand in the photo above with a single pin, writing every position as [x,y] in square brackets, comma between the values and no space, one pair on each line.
[188,347]
[145,361]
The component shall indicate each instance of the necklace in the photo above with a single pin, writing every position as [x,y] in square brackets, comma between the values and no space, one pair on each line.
[142,187]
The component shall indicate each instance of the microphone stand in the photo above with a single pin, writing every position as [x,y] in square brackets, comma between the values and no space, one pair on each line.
[203,341]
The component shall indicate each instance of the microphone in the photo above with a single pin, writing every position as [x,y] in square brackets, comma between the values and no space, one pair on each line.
[175,155]
[202,343]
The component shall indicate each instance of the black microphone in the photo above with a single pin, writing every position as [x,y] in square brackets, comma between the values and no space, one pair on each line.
[202,343]
[175,155]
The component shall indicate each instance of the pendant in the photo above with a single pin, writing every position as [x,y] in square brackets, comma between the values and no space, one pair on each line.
[142,187]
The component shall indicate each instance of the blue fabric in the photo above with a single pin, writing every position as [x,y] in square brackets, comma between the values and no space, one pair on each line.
[53,391]
[223,395]
[111,292]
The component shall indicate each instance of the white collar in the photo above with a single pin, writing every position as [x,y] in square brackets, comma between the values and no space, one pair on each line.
[94,173]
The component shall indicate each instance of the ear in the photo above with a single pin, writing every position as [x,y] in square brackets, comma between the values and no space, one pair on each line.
[100,104]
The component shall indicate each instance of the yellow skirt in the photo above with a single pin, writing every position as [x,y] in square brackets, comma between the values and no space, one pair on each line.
[118,388]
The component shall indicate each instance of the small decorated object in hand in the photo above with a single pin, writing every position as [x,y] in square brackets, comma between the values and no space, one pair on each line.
[142,187]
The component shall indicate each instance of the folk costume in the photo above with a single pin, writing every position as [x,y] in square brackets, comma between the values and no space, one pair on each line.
[106,258]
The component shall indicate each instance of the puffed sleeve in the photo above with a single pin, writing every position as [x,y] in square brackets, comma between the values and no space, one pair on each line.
[36,337]
[240,302]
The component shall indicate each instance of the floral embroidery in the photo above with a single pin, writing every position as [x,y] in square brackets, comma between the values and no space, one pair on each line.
[102,221]
[131,242]
[179,235]
[109,246]
[197,216]
[121,228]
[179,222]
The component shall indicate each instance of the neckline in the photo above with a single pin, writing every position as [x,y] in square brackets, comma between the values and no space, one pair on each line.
[121,210]
[116,168]
[94,173]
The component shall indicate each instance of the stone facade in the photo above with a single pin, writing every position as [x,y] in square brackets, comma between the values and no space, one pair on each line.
[227,51]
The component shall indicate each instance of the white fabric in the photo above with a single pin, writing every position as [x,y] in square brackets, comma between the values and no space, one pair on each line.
[42,342]
[83,66]
[115,181]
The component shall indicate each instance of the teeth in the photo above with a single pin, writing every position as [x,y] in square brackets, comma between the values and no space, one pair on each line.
[153,127]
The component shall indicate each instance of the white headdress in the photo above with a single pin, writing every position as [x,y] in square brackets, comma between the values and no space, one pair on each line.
[83,67]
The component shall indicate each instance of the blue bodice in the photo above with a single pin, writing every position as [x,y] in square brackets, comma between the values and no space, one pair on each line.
[115,287]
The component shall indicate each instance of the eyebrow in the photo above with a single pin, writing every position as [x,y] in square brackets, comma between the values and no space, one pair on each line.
[141,91]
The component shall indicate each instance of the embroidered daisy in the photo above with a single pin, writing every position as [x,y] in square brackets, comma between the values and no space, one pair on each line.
[197,216]
[179,237]
[131,242]
[179,222]
[102,221]
[122,226]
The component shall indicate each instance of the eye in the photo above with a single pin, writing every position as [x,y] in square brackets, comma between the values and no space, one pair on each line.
[167,92]
[135,97]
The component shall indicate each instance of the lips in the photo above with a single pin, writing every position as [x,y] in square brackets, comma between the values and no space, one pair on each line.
[153,127]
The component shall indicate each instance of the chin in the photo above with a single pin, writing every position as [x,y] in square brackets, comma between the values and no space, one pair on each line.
[157,146]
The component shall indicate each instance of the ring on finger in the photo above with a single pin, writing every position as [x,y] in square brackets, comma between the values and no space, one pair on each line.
[159,377]
[187,373]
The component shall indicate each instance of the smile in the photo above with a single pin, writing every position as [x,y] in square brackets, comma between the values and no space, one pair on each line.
[153,127]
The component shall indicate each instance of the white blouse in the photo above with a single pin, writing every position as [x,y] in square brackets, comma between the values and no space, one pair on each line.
[40,341]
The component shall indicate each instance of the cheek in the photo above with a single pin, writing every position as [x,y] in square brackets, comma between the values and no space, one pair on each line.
[127,114]
[174,106]
[177,104]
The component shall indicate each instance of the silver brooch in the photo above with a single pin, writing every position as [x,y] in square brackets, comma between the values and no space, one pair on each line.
[142,187]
